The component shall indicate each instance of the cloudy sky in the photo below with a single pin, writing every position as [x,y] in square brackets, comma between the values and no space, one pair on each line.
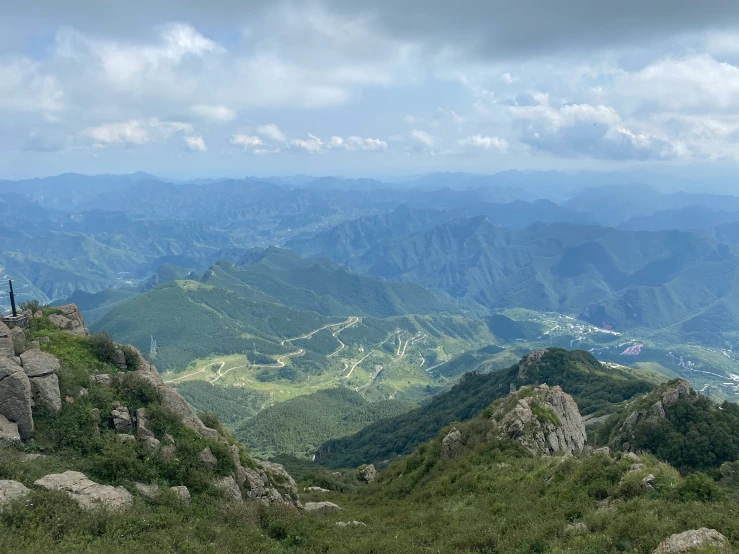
[239,87]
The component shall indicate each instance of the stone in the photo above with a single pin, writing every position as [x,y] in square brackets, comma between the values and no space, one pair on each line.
[119,358]
[168,452]
[69,320]
[182,493]
[121,418]
[124,438]
[321,507]
[451,445]
[350,523]
[7,349]
[694,541]
[256,482]
[239,471]
[20,344]
[34,345]
[543,420]
[44,340]
[576,529]
[82,392]
[143,425]
[637,467]
[229,487]
[104,380]
[38,314]
[632,457]
[36,363]
[603,451]
[11,491]
[315,489]
[68,399]
[152,444]
[45,392]
[648,482]
[8,431]
[368,474]
[87,493]
[208,459]
[15,397]
[172,401]
[279,471]
[150,492]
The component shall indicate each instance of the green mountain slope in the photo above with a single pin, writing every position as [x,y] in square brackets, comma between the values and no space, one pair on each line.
[597,389]
[299,425]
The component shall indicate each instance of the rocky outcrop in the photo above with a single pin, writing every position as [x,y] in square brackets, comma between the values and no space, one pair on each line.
[321,507]
[121,418]
[368,473]
[451,445]
[260,482]
[143,425]
[41,369]
[526,362]
[15,397]
[150,492]
[20,343]
[696,540]
[8,431]
[7,349]
[208,459]
[544,420]
[87,493]
[69,320]
[229,487]
[11,491]
[576,529]
[653,414]
[182,493]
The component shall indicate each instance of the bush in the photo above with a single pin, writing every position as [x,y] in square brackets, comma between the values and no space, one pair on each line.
[699,486]
[30,305]
[104,347]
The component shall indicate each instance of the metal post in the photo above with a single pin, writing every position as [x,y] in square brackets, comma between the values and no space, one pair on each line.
[12,299]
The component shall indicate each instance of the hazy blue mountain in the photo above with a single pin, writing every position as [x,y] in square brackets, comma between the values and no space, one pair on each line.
[684,219]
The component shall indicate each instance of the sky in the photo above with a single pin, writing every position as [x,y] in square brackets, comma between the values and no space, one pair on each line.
[191,89]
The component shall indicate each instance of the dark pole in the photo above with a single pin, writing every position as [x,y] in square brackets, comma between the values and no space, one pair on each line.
[12,298]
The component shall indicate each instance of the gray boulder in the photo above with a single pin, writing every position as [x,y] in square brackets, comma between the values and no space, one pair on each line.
[368,473]
[451,445]
[70,320]
[207,458]
[544,420]
[7,350]
[120,358]
[20,344]
[695,540]
[182,493]
[37,363]
[15,397]
[11,491]
[143,425]
[321,507]
[121,418]
[350,524]
[45,392]
[230,489]
[315,489]
[150,492]
[87,493]
[8,431]
[576,529]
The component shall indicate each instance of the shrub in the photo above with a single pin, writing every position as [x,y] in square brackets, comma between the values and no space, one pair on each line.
[104,347]
[699,486]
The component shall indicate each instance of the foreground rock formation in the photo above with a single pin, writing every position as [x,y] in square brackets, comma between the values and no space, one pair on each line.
[544,420]
[697,540]
[87,493]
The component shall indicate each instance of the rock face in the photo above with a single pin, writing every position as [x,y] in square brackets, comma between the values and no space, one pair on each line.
[230,489]
[20,344]
[653,415]
[694,541]
[527,361]
[259,481]
[41,369]
[143,426]
[369,473]
[121,418]
[7,350]
[451,445]
[321,507]
[8,431]
[15,397]
[544,420]
[86,493]
[10,491]
[182,492]
[208,459]
[70,320]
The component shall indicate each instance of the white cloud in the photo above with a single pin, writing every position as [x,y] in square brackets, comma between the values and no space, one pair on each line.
[427,140]
[312,144]
[272,132]
[25,88]
[246,141]
[485,143]
[135,132]
[196,144]
[214,113]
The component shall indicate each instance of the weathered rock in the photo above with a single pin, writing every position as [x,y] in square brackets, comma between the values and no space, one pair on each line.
[637,467]
[121,418]
[694,541]
[172,401]
[44,340]
[182,492]
[45,392]
[87,493]
[369,473]
[350,523]
[321,507]
[15,397]
[545,421]
[119,358]
[648,482]
[37,363]
[104,380]
[152,444]
[229,487]
[11,491]
[632,457]
[20,343]
[38,314]
[143,425]
[576,529]
[315,489]
[451,445]
[150,492]
[604,451]
[69,320]
[169,451]
[527,361]
[207,458]
[288,483]
[8,431]
[6,342]
[124,438]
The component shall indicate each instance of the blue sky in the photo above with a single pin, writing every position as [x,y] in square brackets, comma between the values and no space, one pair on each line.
[189,89]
